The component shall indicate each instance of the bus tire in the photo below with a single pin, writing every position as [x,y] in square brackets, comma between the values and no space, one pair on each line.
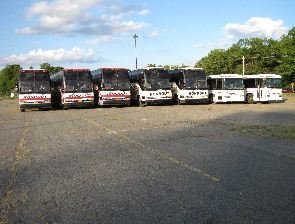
[22,109]
[250,99]
[175,100]
[140,103]
[211,99]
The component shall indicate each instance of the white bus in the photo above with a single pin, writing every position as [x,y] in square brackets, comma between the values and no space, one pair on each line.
[263,88]
[34,89]
[189,85]
[111,86]
[72,87]
[150,85]
[226,88]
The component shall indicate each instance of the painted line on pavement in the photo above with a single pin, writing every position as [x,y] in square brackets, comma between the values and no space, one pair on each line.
[159,153]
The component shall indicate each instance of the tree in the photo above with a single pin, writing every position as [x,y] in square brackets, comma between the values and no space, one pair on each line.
[51,69]
[287,57]
[151,65]
[261,56]
[8,79]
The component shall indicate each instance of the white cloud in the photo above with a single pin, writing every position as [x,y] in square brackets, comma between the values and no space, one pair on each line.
[102,39]
[256,27]
[87,17]
[154,33]
[144,12]
[59,56]
[260,27]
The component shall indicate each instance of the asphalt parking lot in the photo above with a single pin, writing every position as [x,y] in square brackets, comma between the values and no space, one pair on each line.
[225,163]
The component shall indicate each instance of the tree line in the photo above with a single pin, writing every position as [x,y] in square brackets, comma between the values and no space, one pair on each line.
[9,76]
[260,56]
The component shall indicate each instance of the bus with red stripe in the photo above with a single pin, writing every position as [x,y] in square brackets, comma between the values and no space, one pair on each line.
[111,86]
[71,88]
[34,89]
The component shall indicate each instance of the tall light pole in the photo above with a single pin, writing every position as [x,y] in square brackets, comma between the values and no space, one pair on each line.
[243,65]
[135,37]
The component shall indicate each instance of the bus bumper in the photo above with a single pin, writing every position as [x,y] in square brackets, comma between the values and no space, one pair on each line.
[85,104]
[114,103]
[157,101]
[36,106]
[195,101]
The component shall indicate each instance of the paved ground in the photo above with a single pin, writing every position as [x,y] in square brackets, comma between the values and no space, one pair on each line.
[158,164]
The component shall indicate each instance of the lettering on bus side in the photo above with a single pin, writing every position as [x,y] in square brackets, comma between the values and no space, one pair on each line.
[158,93]
[35,97]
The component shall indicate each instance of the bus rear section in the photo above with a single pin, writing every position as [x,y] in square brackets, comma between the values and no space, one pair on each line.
[225,88]
[34,89]
[189,85]
[150,86]
[264,88]
[72,88]
[111,86]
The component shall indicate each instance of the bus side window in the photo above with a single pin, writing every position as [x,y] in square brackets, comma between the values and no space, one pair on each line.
[211,84]
[219,84]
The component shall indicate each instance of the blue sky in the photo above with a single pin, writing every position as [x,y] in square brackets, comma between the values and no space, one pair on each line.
[98,33]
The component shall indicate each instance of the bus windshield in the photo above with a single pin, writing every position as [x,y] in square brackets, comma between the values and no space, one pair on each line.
[116,80]
[34,82]
[273,83]
[78,81]
[233,83]
[42,82]
[158,79]
[195,80]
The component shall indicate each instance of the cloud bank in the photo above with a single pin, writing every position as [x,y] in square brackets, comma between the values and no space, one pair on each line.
[256,27]
[260,27]
[59,56]
[87,17]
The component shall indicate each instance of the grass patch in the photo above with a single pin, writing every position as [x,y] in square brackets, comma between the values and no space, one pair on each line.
[280,132]
[289,96]
[7,98]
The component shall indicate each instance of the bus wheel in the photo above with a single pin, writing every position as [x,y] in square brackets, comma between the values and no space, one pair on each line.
[211,98]
[22,109]
[175,100]
[250,99]
[140,103]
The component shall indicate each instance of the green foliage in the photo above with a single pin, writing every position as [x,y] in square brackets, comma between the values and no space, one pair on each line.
[286,65]
[8,79]
[151,65]
[261,56]
[51,69]
[171,67]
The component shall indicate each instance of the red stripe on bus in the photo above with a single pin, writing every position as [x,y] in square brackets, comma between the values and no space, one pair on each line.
[34,99]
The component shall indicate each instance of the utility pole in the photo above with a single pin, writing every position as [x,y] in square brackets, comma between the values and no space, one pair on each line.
[243,65]
[135,37]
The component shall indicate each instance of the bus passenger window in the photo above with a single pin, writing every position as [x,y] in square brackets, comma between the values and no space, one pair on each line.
[219,84]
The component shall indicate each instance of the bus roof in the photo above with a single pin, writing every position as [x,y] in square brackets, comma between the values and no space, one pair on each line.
[153,68]
[75,69]
[33,70]
[191,68]
[115,68]
[226,76]
[261,76]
